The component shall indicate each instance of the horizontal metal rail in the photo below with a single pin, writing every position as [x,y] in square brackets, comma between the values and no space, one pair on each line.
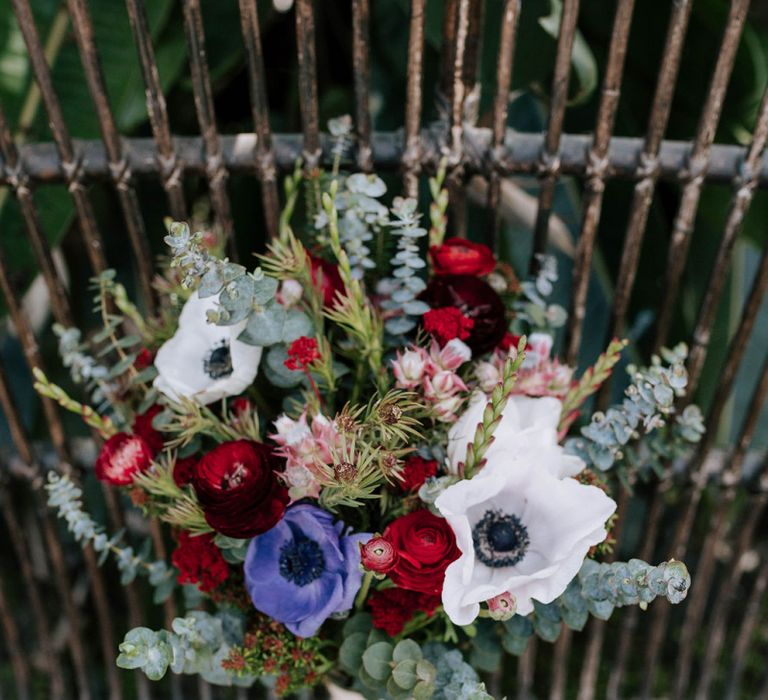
[521,154]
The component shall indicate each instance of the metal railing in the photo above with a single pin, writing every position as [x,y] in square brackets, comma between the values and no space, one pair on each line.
[714,521]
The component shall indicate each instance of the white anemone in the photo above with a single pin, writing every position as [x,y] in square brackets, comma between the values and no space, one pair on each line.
[521,530]
[526,423]
[202,361]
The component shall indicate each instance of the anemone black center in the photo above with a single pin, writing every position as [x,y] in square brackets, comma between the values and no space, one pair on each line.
[219,363]
[500,539]
[301,561]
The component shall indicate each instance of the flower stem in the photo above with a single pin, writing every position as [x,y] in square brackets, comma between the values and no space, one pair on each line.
[365,586]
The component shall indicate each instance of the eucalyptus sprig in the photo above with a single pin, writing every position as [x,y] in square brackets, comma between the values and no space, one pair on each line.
[492,414]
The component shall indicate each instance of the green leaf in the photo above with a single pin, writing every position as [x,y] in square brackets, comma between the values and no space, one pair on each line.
[265,327]
[404,674]
[377,659]
[406,649]
[297,324]
[423,691]
[351,652]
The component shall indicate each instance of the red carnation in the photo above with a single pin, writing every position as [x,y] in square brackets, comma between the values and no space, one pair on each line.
[447,323]
[142,426]
[326,277]
[236,484]
[302,352]
[416,471]
[200,562]
[183,469]
[426,546]
[392,608]
[457,256]
[475,299]
[122,457]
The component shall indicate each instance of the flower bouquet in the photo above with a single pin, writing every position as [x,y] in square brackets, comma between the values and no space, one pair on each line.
[373,470]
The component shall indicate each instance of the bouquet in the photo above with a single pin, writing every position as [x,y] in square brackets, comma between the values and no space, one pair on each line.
[372,468]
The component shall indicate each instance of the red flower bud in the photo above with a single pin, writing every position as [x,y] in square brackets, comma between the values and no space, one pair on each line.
[378,555]
[458,256]
[122,457]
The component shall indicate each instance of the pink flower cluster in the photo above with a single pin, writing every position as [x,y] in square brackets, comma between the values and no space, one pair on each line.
[539,376]
[433,373]
[305,446]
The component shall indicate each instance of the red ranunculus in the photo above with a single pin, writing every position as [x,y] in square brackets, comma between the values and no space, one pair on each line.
[416,471]
[476,300]
[378,555]
[458,256]
[200,562]
[237,486]
[392,608]
[327,278]
[122,457]
[426,546]
[142,426]
[183,469]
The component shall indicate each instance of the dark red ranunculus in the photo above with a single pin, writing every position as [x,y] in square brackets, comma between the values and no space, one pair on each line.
[378,555]
[183,469]
[426,546]
[416,471]
[122,457]
[476,300]
[458,256]
[392,608]
[237,486]
[327,278]
[142,426]
[200,562]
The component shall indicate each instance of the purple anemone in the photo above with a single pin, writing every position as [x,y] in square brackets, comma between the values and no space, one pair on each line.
[304,569]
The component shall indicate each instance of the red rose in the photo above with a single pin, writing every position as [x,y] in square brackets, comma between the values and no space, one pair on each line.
[416,471]
[446,324]
[326,277]
[378,555]
[426,546]
[458,256]
[142,426]
[237,486]
[393,607]
[476,300]
[122,457]
[200,562]
[183,469]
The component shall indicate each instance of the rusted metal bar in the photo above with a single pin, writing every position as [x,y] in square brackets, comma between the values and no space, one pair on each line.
[562,652]
[119,166]
[509,22]
[526,665]
[684,526]
[697,166]
[550,160]
[16,654]
[361,65]
[592,200]
[168,164]
[70,162]
[310,120]
[744,189]
[412,153]
[458,93]
[449,29]
[20,184]
[649,168]
[750,618]
[265,157]
[215,166]
[520,156]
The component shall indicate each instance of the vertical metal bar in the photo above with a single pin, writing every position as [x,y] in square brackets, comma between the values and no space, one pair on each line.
[697,167]
[119,165]
[18,658]
[562,653]
[744,189]
[71,162]
[648,171]
[361,67]
[526,665]
[458,90]
[206,118]
[20,185]
[310,124]
[168,163]
[549,165]
[597,166]
[265,157]
[450,19]
[509,23]
[412,151]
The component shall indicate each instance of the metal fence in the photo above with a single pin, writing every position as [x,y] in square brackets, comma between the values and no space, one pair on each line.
[59,635]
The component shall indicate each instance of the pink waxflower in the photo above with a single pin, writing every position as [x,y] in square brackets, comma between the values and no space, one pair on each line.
[410,367]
